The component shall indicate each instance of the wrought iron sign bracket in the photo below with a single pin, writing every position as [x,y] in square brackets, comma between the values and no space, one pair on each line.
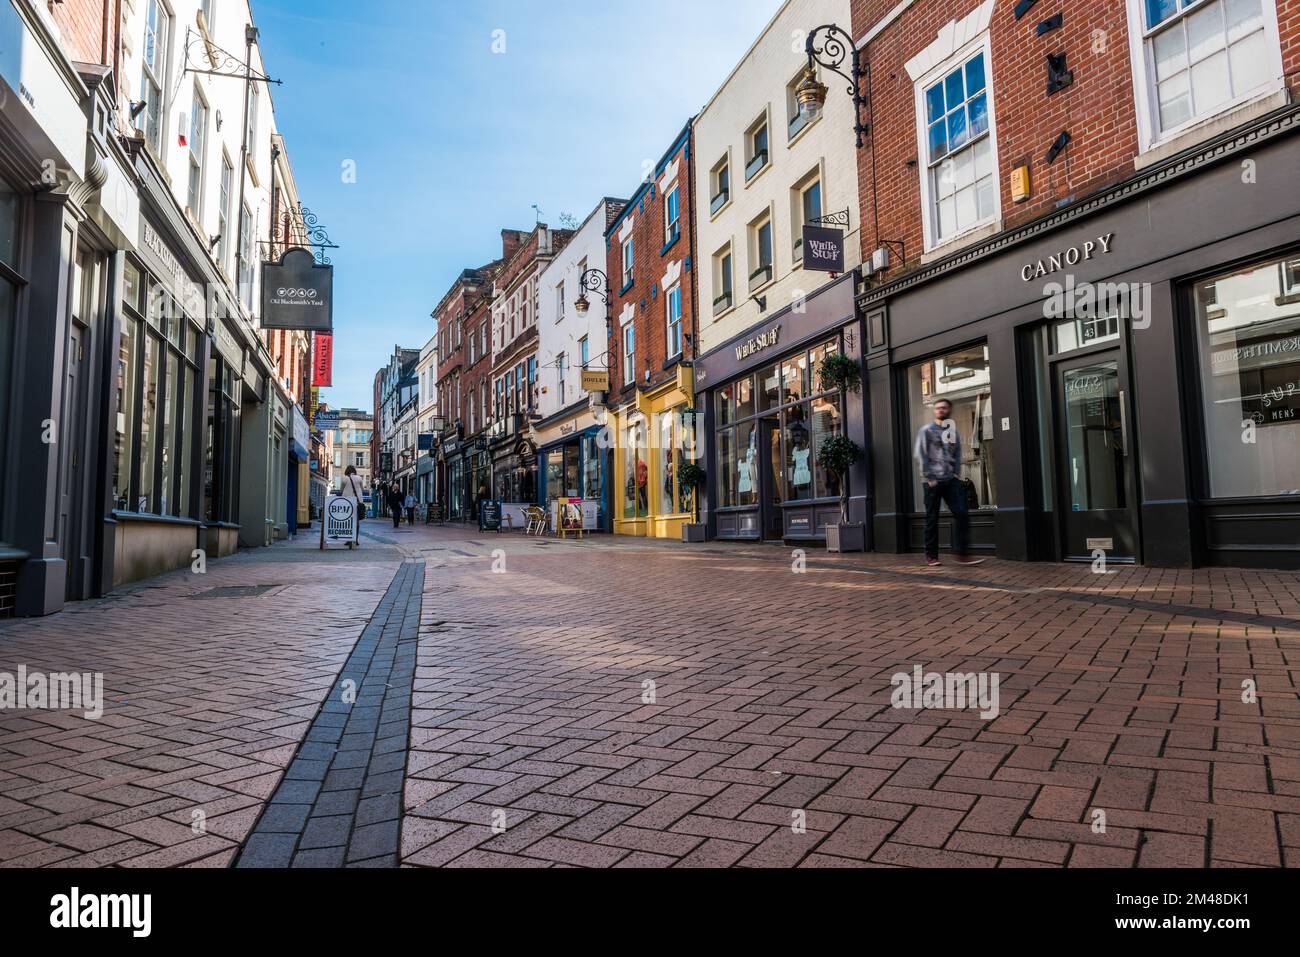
[840,219]
[303,222]
[224,63]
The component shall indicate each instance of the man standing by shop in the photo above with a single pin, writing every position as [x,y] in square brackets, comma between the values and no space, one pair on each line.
[938,454]
[395,503]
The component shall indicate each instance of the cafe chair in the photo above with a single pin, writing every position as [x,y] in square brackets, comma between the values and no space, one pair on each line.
[537,520]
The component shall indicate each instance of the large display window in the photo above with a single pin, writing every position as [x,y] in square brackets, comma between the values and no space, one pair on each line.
[157,382]
[786,395]
[9,233]
[961,378]
[636,471]
[1248,328]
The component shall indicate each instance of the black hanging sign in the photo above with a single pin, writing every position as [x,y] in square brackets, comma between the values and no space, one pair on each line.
[297,293]
[823,249]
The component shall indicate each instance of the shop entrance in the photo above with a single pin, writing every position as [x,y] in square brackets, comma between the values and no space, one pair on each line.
[770,483]
[1095,456]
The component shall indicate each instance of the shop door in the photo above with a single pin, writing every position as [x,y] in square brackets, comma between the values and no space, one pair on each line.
[1097,488]
[771,486]
[70,504]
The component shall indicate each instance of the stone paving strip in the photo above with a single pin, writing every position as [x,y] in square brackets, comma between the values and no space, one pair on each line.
[340,801]
[206,700]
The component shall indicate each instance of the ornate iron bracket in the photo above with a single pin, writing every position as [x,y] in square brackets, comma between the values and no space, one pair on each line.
[595,280]
[840,219]
[837,47]
[304,230]
[199,49]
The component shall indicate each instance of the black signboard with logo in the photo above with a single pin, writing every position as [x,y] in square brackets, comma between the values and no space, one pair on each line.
[823,249]
[297,293]
[489,516]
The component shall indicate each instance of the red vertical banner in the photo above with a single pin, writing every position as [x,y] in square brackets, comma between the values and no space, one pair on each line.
[322,360]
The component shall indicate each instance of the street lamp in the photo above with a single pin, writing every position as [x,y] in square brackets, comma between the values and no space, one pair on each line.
[836,46]
[596,281]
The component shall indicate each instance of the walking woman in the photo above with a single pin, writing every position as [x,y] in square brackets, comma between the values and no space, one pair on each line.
[353,489]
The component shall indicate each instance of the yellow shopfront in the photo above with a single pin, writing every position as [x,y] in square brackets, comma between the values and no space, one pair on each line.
[653,439]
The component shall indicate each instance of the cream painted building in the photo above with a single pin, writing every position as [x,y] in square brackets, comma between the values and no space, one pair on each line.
[762,172]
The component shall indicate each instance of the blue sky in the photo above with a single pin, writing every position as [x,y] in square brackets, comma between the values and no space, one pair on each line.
[452,142]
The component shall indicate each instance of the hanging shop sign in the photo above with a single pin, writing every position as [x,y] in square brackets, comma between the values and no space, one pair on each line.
[595,380]
[322,366]
[326,421]
[823,249]
[297,293]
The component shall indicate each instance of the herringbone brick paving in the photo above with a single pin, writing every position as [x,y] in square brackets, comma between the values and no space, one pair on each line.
[537,741]
[205,703]
[771,707]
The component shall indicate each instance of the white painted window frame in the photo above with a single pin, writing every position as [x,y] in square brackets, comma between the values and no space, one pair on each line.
[1150,136]
[936,73]
[676,288]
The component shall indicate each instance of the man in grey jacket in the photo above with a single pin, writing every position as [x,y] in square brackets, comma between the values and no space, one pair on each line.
[938,454]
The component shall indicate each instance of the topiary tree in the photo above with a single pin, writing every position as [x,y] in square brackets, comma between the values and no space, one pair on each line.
[837,455]
[691,476]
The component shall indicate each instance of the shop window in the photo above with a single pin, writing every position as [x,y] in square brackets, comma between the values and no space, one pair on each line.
[788,395]
[148,405]
[959,183]
[9,216]
[675,448]
[636,471]
[1248,325]
[1197,58]
[962,378]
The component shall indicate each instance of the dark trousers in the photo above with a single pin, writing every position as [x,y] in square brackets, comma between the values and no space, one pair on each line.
[397,514]
[952,494]
[410,516]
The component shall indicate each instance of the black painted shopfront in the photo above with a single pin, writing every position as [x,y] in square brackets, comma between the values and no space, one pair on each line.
[766,415]
[1125,373]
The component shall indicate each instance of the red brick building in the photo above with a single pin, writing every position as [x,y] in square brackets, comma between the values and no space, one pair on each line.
[651,267]
[1083,220]
[514,362]
[464,320]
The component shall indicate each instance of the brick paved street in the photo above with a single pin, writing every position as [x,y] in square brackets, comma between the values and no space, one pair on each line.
[622,703]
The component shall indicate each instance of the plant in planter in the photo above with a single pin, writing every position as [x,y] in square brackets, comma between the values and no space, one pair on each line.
[840,374]
[691,476]
[837,455]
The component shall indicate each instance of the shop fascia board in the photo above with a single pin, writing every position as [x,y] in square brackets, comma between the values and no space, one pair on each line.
[1229,146]
[39,24]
